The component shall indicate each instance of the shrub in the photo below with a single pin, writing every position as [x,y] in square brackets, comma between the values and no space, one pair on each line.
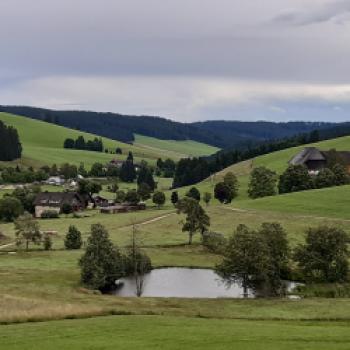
[325,178]
[67,208]
[214,242]
[49,214]
[47,242]
[324,255]
[295,178]
[73,238]
[158,198]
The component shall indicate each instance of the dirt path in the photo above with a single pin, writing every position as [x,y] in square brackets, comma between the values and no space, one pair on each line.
[6,245]
[150,221]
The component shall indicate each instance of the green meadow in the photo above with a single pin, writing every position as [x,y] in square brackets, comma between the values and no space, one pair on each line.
[175,149]
[44,285]
[154,332]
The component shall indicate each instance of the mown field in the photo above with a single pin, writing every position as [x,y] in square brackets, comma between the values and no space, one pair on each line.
[176,149]
[151,332]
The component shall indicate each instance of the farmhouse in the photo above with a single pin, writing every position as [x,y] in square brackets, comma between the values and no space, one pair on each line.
[55,201]
[315,159]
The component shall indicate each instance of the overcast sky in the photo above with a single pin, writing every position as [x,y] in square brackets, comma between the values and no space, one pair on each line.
[187,60]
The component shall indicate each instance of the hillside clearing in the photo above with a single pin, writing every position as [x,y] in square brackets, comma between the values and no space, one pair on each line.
[175,149]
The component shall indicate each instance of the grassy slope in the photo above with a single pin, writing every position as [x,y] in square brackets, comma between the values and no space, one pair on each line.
[175,149]
[330,202]
[43,144]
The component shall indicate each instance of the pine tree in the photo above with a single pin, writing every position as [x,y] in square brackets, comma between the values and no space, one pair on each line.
[73,238]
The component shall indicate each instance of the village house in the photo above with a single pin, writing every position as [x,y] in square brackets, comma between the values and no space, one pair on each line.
[56,200]
[315,159]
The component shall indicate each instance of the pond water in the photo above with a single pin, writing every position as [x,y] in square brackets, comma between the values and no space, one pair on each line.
[182,283]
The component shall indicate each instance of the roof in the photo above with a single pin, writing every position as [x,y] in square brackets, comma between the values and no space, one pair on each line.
[57,199]
[344,156]
[314,154]
[307,154]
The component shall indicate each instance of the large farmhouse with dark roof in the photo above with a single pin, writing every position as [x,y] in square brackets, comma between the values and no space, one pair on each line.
[55,200]
[315,159]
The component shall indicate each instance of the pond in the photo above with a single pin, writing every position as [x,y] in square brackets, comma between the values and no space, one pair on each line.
[182,283]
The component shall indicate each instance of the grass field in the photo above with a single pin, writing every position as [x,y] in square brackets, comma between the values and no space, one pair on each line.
[43,144]
[175,149]
[151,332]
[44,286]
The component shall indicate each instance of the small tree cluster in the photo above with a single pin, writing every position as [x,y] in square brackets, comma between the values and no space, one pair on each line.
[226,190]
[256,259]
[91,145]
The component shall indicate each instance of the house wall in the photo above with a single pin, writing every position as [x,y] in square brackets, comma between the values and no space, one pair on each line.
[40,209]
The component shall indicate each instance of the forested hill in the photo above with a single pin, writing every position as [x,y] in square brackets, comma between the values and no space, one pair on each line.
[222,134]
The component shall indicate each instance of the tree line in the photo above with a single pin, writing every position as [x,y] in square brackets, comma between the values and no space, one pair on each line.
[10,145]
[192,170]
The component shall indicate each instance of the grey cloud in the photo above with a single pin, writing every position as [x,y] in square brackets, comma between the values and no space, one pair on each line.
[315,14]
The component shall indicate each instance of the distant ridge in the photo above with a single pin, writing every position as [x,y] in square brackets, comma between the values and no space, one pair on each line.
[222,134]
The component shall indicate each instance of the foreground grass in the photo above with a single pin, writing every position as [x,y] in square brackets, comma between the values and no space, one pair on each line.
[151,332]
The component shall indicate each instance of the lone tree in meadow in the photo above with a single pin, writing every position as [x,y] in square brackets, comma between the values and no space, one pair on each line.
[262,183]
[324,255]
[27,231]
[101,265]
[159,199]
[73,238]
[174,198]
[196,218]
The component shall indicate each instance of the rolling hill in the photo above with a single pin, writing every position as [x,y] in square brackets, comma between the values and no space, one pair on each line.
[43,144]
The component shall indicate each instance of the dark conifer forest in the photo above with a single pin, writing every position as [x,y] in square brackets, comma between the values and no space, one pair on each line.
[10,145]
